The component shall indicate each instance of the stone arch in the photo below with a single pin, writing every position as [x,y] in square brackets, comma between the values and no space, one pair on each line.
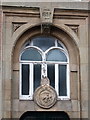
[27,26]
[63,33]
[24,28]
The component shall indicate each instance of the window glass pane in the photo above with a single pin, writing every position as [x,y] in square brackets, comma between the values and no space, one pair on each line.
[62,80]
[44,42]
[27,43]
[56,55]
[37,75]
[59,45]
[31,54]
[51,74]
[25,79]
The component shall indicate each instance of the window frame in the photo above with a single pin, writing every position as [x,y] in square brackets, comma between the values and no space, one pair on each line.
[31,65]
[64,50]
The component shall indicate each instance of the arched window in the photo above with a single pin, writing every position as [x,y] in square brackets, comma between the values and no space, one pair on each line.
[44,56]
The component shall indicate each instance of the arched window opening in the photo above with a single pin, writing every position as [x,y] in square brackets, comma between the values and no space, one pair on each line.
[44,56]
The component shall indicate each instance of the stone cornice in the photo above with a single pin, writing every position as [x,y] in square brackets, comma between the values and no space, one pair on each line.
[62,5]
[35,12]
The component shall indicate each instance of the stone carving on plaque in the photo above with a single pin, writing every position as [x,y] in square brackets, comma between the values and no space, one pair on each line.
[45,96]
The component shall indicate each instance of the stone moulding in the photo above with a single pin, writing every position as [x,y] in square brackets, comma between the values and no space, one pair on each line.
[17,25]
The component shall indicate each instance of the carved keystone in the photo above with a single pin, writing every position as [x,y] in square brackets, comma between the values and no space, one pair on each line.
[46,15]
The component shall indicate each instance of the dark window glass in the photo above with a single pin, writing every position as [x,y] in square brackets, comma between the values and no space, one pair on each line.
[62,80]
[45,115]
[44,42]
[37,75]
[27,43]
[59,45]
[56,55]
[25,79]
[31,54]
[51,74]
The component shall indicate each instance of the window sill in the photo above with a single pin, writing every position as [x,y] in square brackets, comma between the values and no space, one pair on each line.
[60,99]
[26,98]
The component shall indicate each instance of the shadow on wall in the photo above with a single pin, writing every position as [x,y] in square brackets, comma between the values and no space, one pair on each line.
[45,115]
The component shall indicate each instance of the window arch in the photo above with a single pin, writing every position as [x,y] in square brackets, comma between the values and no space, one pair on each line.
[44,56]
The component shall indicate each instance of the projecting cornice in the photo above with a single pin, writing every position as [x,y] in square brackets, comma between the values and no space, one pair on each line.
[65,4]
[35,12]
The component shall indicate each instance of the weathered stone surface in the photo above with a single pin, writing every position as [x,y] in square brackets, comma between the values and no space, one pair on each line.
[77,51]
[45,96]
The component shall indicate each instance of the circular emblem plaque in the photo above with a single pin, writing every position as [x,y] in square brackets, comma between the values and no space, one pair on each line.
[45,96]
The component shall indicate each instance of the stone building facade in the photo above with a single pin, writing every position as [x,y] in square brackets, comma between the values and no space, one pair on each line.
[20,24]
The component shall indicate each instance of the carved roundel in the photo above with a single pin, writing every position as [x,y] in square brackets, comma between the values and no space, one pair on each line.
[45,96]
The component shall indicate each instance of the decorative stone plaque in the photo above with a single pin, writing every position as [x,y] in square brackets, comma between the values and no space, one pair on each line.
[46,15]
[45,96]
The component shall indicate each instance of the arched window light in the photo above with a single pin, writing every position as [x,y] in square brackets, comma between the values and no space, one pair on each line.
[44,56]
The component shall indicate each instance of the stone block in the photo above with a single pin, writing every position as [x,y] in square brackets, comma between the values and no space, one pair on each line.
[1,107]
[8,28]
[15,105]
[15,114]
[73,67]
[75,105]
[74,86]
[7,84]
[83,35]
[76,114]
[26,106]
[22,105]
[7,105]
[84,55]
[30,106]
[85,114]
[84,104]
[64,105]
[15,85]
[54,108]
[84,95]
[7,114]
[84,77]
[7,94]
[16,66]
[6,70]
